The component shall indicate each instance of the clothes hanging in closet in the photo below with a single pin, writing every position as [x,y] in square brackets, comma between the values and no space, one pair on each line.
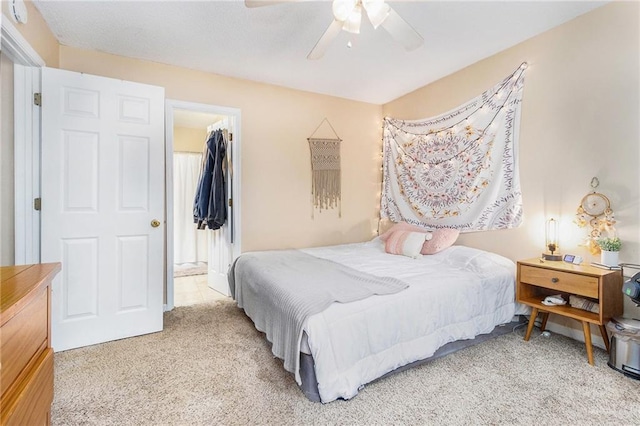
[210,203]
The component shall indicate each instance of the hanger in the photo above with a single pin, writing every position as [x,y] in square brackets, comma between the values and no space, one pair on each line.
[319,125]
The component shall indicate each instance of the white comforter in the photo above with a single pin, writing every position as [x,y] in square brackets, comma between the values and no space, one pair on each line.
[456,294]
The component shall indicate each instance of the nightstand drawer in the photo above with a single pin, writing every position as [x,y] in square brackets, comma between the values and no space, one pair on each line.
[561,281]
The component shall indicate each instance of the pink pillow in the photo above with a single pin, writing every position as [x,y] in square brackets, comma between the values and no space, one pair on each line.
[402,226]
[406,243]
[442,238]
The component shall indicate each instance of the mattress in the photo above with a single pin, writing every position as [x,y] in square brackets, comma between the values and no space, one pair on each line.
[454,295]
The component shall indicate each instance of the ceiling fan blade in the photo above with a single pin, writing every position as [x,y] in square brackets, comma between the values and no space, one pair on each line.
[401,31]
[323,44]
[260,3]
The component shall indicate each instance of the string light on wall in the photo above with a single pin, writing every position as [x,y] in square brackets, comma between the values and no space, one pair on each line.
[438,167]
[495,100]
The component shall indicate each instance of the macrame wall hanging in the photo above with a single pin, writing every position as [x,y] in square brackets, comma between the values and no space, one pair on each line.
[325,171]
[459,169]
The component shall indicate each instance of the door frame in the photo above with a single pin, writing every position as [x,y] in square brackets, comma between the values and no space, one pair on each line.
[27,156]
[26,143]
[16,47]
[170,107]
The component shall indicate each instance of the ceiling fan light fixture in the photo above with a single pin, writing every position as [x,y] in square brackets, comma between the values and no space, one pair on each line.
[342,9]
[352,23]
[348,17]
[377,11]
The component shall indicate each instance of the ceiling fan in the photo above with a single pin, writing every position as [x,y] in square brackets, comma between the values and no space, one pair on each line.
[347,16]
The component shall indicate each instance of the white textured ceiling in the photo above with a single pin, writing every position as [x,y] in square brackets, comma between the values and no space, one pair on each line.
[270,44]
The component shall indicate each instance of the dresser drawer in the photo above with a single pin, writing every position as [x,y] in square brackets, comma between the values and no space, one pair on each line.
[564,282]
[23,337]
[31,403]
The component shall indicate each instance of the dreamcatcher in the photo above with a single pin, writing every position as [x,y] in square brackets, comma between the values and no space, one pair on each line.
[595,212]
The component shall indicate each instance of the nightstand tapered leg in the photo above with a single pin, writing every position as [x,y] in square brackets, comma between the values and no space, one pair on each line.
[587,341]
[532,320]
[545,317]
[605,337]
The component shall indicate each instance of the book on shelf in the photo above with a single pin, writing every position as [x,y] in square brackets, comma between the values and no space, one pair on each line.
[604,266]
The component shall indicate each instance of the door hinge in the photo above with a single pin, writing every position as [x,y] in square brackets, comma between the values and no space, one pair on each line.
[230,202]
[37,99]
[230,137]
[37,204]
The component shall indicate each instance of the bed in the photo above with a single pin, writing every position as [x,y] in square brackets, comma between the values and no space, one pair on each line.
[452,296]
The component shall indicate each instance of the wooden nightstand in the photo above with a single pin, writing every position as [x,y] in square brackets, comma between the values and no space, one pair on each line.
[538,279]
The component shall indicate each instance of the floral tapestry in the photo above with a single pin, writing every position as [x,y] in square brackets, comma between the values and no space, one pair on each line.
[459,169]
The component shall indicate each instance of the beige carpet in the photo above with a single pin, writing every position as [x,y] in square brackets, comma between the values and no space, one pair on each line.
[210,366]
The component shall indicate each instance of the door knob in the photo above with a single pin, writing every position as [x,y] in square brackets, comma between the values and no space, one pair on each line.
[155,223]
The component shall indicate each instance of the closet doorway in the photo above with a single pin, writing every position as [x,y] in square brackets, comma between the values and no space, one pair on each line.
[198,259]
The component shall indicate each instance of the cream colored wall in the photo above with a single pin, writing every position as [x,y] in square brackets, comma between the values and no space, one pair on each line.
[186,139]
[580,119]
[275,164]
[37,32]
[7,252]
[42,40]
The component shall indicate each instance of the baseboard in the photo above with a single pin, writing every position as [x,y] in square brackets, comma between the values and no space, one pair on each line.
[573,329]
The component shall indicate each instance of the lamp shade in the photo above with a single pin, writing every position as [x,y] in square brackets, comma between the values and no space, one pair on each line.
[377,11]
[352,24]
[343,8]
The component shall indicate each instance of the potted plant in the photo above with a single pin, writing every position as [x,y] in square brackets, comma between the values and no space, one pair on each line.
[610,247]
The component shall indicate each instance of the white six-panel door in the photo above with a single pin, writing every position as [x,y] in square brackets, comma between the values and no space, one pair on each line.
[220,258]
[221,241]
[102,187]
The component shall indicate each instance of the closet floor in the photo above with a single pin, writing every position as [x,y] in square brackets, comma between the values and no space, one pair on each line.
[193,290]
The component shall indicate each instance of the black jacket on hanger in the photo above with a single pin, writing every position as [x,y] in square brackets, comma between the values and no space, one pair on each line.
[210,203]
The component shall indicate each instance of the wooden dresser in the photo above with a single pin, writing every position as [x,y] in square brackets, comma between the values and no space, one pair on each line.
[26,357]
